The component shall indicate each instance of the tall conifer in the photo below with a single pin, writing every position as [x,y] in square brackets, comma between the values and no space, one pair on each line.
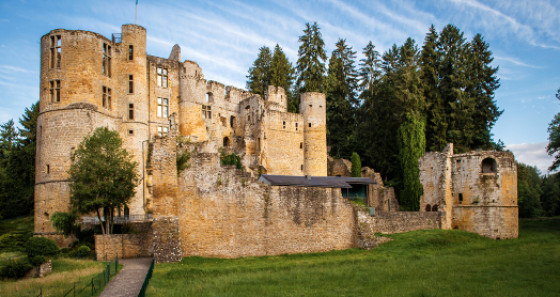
[259,73]
[311,60]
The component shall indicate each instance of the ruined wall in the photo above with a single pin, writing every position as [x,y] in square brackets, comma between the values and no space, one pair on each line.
[223,213]
[109,247]
[282,144]
[398,222]
[313,108]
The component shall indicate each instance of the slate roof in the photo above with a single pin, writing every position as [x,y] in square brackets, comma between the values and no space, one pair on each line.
[314,181]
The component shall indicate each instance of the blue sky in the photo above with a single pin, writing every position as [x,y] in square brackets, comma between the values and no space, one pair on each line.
[224,38]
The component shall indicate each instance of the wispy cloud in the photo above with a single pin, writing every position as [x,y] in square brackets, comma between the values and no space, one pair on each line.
[533,154]
[516,62]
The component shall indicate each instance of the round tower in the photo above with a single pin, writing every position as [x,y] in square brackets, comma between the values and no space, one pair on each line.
[313,109]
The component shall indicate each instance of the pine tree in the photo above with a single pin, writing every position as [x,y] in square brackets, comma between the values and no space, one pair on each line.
[412,142]
[259,73]
[482,82]
[311,60]
[341,100]
[282,75]
[553,147]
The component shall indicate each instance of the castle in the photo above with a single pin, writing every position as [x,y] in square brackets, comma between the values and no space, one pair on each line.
[164,107]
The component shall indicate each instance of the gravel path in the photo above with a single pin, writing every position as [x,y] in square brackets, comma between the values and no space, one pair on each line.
[129,280]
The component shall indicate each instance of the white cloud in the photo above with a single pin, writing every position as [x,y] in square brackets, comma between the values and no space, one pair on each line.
[516,62]
[533,154]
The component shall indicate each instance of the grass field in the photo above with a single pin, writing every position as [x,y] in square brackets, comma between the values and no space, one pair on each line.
[420,263]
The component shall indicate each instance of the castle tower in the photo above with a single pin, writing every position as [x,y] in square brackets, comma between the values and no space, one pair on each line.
[276,99]
[313,109]
[84,85]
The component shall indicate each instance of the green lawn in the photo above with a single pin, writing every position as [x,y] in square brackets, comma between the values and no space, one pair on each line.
[420,263]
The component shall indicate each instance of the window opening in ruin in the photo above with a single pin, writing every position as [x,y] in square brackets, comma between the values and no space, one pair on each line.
[258,143]
[489,165]
[226,142]
[48,169]
[130,52]
[296,126]
[435,207]
[162,107]
[249,118]
[56,51]
[131,111]
[301,145]
[162,131]
[232,121]
[301,167]
[130,132]
[107,59]
[284,125]
[209,97]
[309,125]
[162,77]
[55,90]
[130,84]
[428,207]
[207,111]
[106,102]
[460,198]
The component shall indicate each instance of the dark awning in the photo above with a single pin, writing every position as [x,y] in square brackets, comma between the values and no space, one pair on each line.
[314,181]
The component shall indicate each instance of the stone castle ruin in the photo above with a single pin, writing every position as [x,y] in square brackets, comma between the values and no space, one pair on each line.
[163,108]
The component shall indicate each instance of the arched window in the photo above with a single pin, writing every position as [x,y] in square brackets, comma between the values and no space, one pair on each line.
[435,207]
[209,97]
[489,165]
[428,207]
[226,142]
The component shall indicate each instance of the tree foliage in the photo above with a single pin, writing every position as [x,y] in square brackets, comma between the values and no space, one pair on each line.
[553,147]
[413,143]
[102,176]
[356,165]
[310,65]
[259,74]
[528,191]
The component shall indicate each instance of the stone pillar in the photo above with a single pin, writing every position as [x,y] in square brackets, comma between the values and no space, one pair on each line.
[313,108]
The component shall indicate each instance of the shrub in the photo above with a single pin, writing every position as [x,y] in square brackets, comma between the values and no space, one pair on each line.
[64,222]
[15,269]
[231,159]
[41,246]
[14,241]
[356,165]
[38,260]
[83,251]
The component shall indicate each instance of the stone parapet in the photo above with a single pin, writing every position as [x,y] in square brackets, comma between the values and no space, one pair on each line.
[108,247]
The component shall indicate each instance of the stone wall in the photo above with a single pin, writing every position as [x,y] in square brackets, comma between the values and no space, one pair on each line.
[225,213]
[398,222]
[109,247]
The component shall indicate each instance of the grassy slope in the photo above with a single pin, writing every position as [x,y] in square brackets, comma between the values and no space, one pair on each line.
[421,263]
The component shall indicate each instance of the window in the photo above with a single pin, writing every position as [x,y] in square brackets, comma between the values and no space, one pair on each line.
[296,126]
[283,124]
[225,142]
[232,121]
[131,111]
[106,97]
[309,125]
[107,59]
[301,145]
[130,132]
[301,167]
[130,52]
[56,51]
[55,90]
[489,165]
[209,97]
[48,169]
[162,107]
[162,131]
[428,207]
[162,77]
[130,84]
[207,111]
[460,198]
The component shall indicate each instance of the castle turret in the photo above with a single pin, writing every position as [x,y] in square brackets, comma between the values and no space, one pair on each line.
[313,109]
[276,99]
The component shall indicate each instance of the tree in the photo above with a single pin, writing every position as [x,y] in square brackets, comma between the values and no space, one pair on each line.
[102,176]
[311,60]
[550,197]
[529,191]
[282,75]
[553,147]
[341,100]
[356,165]
[259,73]
[412,142]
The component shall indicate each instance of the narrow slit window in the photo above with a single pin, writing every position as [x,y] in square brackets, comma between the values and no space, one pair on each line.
[130,132]
[131,111]
[130,84]
[296,126]
[284,125]
[460,198]
[48,169]
[309,125]
[130,52]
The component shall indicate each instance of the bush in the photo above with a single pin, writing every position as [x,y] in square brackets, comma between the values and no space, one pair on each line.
[83,251]
[231,159]
[38,260]
[14,241]
[15,269]
[64,222]
[41,246]
[356,165]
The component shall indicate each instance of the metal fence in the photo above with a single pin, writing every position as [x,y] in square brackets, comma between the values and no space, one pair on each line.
[147,280]
[90,287]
